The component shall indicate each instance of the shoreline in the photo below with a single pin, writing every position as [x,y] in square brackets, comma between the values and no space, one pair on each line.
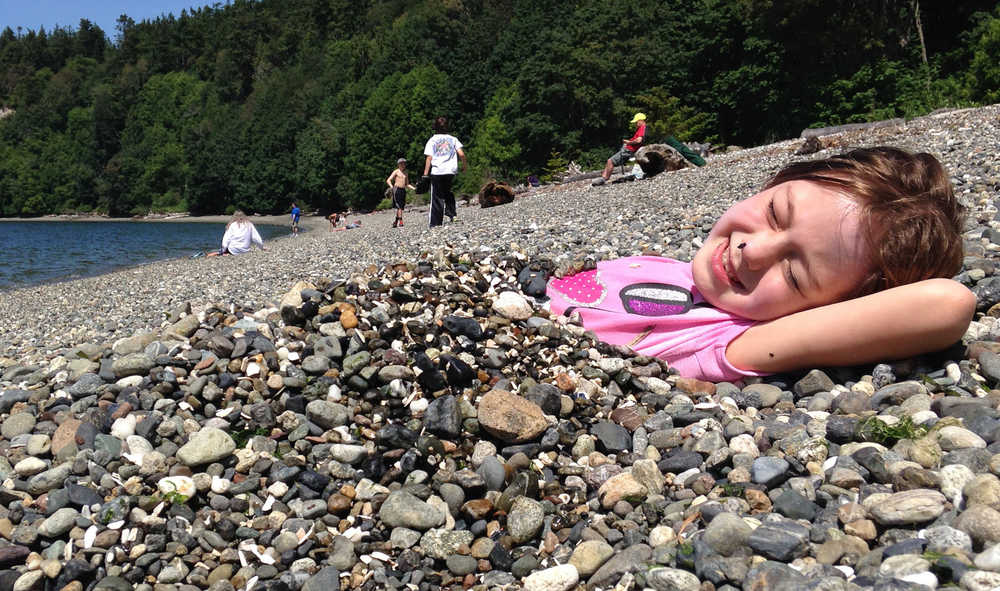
[310,222]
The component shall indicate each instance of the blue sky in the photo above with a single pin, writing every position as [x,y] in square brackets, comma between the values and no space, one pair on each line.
[33,14]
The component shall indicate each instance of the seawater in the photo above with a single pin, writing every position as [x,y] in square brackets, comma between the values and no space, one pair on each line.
[42,252]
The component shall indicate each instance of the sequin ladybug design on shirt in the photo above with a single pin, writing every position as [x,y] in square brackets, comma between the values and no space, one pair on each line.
[585,289]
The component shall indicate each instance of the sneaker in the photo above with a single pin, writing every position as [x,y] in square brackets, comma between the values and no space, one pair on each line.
[598,182]
[400,223]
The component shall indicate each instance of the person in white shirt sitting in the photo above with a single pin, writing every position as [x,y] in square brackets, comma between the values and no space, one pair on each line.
[240,235]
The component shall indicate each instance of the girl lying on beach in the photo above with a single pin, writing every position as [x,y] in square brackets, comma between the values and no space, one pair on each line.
[839,261]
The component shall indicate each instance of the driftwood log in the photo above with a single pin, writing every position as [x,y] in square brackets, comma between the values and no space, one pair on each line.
[494,193]
[657,158]
[821,131]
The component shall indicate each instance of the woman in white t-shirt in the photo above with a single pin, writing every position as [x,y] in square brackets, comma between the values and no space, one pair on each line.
[240,235]
[443,152]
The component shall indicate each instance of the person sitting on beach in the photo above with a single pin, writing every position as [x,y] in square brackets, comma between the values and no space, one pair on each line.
[627,151]
[841,261]
[334,219]
[240,235]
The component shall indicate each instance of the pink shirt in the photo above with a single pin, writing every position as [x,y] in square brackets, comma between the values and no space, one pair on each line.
[651,305]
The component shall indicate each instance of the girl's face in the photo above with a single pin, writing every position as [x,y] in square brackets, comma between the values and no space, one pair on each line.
[789,248]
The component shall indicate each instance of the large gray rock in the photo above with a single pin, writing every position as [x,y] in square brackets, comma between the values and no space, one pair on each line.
[402,509]
[631,559]
[442,543]
[726,533]
[909,507]
[206,446]
[133,364]
[327,414]
[783,541]
[525,519]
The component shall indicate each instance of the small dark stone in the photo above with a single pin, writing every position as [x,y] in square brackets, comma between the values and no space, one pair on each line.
[679,461]
[795,506]
[546,396]
[840,429]
[614,438]
[459,325]
[443,417]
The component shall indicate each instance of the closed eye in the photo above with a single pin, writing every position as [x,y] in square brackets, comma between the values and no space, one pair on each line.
[772,214]
[790,278]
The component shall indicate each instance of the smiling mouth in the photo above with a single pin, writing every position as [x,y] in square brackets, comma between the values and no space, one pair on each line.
[725,267]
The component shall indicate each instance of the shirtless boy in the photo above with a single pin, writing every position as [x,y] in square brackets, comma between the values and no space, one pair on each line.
[398,182]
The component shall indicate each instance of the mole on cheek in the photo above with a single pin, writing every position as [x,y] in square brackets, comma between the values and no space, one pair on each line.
[771,355]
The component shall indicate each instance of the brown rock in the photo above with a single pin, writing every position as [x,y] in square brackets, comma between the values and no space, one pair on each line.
[862,528]
[65,434]
[477,508]
[565,382]
[206,362]
[695,386]
[759,503]
[849,512]
[107,538]
[627,417]
[510,417]
[348,319]
[338,503]
[122,411]
[620,487]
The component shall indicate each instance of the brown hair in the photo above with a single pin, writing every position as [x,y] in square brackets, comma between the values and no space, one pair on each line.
[910,217]
[441,125]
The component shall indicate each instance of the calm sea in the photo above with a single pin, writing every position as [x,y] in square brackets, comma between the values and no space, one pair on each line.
[42,252]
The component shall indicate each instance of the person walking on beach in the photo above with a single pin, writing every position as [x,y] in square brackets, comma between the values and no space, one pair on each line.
[240,235]
[443,151]
[398,182]
[627,151]
[296,212]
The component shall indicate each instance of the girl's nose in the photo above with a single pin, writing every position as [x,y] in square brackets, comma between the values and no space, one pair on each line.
[760,251]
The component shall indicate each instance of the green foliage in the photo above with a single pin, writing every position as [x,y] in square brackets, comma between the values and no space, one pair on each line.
[554,166]
[983,78]
[668,115]
[255,103]
[242,436]
[877,430]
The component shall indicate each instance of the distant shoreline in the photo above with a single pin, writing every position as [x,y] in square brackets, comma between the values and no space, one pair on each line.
[308,222]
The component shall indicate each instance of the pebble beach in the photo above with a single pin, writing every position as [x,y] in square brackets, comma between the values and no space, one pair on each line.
[390,408]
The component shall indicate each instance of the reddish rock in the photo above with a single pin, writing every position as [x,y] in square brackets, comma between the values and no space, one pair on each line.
[206,362]
[628,417]
[477,508]
[695,386]
[64,435]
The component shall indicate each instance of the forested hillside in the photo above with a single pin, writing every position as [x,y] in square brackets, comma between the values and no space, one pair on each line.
[254,104]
